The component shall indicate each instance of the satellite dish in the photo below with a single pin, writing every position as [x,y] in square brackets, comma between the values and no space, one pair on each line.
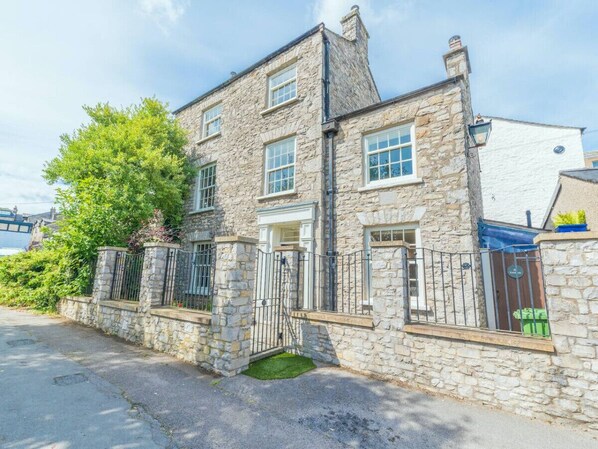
[559,149]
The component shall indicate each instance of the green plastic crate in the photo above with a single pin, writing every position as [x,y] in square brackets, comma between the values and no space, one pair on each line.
[537,327]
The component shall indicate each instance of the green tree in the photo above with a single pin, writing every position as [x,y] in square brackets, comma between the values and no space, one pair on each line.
[114,172]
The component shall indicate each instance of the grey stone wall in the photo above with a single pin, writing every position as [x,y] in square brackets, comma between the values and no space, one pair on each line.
[124,323]
[78,308]
[559,387]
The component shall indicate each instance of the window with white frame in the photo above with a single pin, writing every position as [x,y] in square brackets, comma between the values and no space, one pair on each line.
[282,86]
[212,119]
[280,166]
[206,187]
[200,280]
[389,154]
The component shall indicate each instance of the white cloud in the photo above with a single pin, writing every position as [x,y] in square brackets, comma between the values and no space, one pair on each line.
[164,12]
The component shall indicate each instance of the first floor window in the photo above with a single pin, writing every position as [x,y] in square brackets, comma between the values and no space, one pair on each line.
[200,281]
[282,86]
[212,119]
[594,164]
[280,166]
[206,187]
[389,154]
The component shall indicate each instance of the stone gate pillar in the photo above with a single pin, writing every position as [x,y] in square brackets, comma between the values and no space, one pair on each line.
[153,276]
[105,272]
[232,308]
[389,287]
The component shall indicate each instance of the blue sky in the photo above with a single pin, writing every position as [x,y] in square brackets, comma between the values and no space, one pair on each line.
[532,60]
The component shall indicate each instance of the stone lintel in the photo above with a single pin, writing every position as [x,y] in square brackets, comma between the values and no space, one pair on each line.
[161,245]
[297,248]
[333,317]
[191,316]
[481,336]
[565,236]
[235,239]
[113,248]
[395,244]
[132,306]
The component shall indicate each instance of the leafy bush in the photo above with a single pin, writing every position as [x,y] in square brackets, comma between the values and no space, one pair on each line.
[568,218]
[114,173]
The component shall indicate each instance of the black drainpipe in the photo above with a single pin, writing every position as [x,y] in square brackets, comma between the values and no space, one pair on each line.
[329,129]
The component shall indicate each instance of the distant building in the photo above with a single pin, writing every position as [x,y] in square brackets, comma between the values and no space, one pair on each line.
[15,232]
[520,167]
[42,222]
[591,158]
[576,190]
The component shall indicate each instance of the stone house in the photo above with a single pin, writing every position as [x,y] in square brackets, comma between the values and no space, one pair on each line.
[299,149]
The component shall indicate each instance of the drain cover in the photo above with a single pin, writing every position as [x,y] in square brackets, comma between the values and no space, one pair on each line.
[22,342]
[71,379]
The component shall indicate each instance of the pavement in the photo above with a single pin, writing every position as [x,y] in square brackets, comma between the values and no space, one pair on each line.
[65,386]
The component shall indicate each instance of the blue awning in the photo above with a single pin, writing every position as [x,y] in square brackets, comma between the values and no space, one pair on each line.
[509,238]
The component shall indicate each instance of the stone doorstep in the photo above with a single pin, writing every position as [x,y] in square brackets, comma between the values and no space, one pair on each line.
[132,306]
[191,316]
[333,317]
[481,336]
[83,299]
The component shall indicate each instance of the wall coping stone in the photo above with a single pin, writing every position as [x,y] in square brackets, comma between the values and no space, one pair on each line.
[334,317]
[161,245]
[235,239]
[564,236]
[481,336]
[132,306]
[84,299]
[112,248]
[395,244]
[289,248]
[191,316]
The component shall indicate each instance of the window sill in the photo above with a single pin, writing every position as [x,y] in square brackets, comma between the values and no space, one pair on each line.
[210,137]
[277,195]
[386,185]
[280,105]
[201,211]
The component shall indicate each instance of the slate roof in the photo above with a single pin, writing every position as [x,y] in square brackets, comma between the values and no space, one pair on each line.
[583,174]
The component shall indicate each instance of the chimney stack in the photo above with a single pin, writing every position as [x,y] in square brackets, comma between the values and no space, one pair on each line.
[456,60]
[353,28]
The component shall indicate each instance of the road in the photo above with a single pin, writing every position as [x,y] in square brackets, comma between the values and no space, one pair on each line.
[65,386]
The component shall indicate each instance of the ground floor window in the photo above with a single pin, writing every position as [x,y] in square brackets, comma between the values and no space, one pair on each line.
[201,268]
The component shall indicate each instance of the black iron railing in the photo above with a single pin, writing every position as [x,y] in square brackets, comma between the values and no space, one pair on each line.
[126,281]
[189,279]
[335,283]
[491,289]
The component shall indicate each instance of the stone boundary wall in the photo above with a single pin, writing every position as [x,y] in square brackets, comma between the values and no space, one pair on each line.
[557,382]
[218,341]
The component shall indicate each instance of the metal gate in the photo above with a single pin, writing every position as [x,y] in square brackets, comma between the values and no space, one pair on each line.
[270,315]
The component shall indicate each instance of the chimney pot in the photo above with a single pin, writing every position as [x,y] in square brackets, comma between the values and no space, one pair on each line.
[455,42]
[355,8]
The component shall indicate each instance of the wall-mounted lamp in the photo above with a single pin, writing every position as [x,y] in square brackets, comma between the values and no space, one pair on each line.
[480,131]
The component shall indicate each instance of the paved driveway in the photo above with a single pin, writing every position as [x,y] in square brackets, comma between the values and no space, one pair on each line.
[66,386]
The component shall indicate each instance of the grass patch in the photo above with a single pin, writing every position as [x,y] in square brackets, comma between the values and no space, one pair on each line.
[280,366]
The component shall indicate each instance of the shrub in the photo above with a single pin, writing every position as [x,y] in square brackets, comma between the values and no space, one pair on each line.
[568,218]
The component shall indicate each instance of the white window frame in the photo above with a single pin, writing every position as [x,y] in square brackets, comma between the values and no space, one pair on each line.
[206,122]
[396,179]
[271,88]
[267,170]
[417,302]
[199,190]
[199,270]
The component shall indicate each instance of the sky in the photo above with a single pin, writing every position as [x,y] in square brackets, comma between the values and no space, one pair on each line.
[535,60]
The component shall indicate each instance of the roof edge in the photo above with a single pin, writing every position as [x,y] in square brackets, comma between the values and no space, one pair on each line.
[251,68]
[526,122]
[402,97]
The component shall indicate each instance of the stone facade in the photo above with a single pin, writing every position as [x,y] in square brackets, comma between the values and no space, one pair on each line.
[445,202]
[555,381]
